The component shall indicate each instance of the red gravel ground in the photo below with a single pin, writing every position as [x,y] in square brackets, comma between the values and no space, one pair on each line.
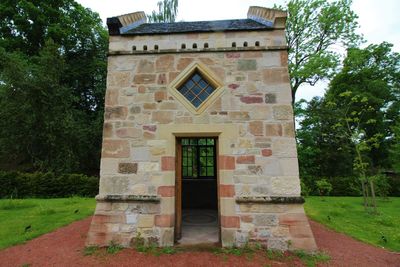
[65,247]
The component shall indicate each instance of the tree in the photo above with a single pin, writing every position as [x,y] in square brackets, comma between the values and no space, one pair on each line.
[167,11]
[52,84]
[314,31]
[348,131]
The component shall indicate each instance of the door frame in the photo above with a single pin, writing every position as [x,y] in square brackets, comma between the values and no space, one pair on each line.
[178,184]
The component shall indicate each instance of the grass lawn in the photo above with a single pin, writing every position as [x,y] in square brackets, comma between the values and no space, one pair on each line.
[42,215]
[347,215]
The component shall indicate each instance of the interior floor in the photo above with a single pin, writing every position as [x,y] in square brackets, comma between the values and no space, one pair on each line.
[199,226]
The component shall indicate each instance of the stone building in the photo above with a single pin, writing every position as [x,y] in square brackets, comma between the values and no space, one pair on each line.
[198,141]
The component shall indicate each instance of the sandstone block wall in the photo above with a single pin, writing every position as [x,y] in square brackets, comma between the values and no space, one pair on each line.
[253,120]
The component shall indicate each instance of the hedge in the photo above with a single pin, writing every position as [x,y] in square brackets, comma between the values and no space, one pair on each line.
[46,185]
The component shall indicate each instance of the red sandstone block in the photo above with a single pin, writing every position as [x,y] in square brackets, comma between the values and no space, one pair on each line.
[230,221]
[160,96]
[292,218]
[226,190]
[165,220]
[98,228]
[251,99]
[112,218]
[233,86]
[307,244]
[266,152]
[246,218]
[166,191]
[300,230]
[167,163]
[151,128]
[246,159]
[232,55]
[98,239]
[226,162]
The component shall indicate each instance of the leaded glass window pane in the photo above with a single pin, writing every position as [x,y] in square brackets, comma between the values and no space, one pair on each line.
[196,89]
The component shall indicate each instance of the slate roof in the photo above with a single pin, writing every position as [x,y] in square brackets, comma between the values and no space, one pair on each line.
[197,26]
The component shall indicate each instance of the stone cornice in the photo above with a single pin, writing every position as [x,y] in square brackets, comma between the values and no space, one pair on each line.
[270,199]
[128,198]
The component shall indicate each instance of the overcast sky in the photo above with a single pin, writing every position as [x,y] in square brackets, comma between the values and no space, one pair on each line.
[379,19]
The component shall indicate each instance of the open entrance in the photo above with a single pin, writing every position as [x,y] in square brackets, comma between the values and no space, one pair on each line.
[196,195]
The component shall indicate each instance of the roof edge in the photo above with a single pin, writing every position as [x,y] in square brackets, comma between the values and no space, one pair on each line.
[123,23]
[267,16]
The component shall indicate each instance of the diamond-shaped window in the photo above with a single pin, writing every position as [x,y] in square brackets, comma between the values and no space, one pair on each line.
[196,88]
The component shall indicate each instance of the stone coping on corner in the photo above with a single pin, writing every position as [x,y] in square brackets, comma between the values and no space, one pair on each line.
[127,198]
[270,199]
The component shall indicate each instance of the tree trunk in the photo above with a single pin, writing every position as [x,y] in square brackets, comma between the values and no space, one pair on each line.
[364,194]
[373,195]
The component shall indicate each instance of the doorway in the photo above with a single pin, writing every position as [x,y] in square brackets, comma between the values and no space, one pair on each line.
[197,219]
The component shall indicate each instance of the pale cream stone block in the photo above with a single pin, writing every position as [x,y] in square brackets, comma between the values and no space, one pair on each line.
[289,166]
[270,59]
[227,206]
[285,186]
[145,221]
[284,147]
[139,189]
[167,205]
[149,166]
[225,177]
[108,166]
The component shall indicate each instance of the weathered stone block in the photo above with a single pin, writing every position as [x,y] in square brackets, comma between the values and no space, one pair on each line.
[145,66]
[256,128]
[115,113]
[145,221]
[165,220]
[247,64]
[248,159]
[165,63]
[144,78]
[282,112]
[226,190]
[251,99]
[128,132]
[167,163]
[115,149]
[166,191]
[275,76]
[226,162]
[162,117]
[228,237]
[270,98]
[230,221]
[127,168]
[273,129]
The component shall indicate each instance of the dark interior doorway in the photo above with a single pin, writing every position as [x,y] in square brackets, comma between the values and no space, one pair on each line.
[198,211]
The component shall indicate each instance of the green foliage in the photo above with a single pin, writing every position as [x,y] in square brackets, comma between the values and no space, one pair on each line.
[148,247]
[167,11]
[52,72]
[395,148]
[381,184]
[113,248]
[313,28]
[90,250]
[324,187]
[275,255]
[347,215]
[42,215]
[312,260]
[46,185]
[348,132]
[305,190]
